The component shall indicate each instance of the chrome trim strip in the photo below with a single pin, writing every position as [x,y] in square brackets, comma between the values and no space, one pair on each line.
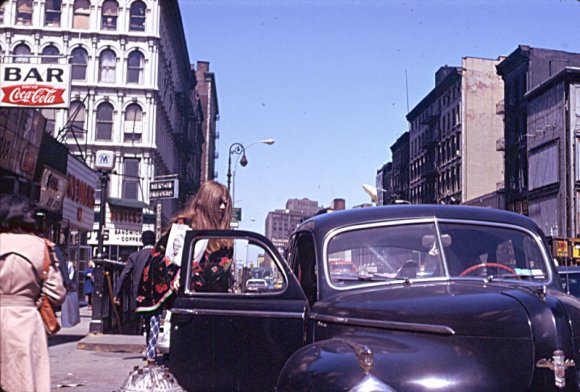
[238,313]
[412,327]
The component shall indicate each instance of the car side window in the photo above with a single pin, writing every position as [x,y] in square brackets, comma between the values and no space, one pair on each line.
[303,263]
[238,266]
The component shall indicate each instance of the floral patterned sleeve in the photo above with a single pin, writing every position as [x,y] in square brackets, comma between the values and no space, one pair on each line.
[214,272]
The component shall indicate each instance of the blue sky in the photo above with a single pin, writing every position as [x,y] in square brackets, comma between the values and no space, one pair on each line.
[326,80]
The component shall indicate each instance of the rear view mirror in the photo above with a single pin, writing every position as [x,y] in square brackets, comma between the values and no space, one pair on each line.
[428,240]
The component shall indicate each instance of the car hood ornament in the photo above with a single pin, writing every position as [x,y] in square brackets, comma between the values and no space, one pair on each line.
[558,364]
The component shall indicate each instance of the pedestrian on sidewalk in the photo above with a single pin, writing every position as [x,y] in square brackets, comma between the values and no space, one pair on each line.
[24,360]
[209,209]
[134,269]
[89,279]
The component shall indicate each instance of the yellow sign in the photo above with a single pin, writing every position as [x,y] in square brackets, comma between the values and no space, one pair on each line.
[576,248]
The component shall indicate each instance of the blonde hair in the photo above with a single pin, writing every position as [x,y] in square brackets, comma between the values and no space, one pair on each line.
[205,214]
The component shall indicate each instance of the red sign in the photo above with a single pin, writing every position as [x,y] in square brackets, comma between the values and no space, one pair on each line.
[32,95]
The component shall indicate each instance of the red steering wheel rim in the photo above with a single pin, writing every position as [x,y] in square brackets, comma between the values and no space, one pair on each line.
[485,265]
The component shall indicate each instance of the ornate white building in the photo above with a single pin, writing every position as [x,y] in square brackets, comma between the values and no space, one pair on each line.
[133,92]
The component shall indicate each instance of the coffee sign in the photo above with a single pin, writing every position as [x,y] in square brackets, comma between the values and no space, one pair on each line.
[35,85]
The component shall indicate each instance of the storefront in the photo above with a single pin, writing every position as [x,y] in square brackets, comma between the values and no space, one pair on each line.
[78,211]
[123,228]
[21,133]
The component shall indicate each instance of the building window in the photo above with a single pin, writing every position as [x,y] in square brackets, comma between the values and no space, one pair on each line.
[21,53]
[2,7]
[52,12]
[109,16]
[76,121]
[135,67]
[79,61]
[105,121]
[137,16]
[50,55]
[133,127]
[49,115]
[131,179]
[107,65]
[81,14]
[24,12]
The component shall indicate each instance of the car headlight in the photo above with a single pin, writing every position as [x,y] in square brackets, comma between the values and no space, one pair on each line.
[371,384]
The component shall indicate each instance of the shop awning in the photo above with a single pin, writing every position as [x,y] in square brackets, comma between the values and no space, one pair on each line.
[125,203]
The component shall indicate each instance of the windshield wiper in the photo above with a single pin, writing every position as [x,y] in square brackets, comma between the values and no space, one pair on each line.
[490,278]
[370,278]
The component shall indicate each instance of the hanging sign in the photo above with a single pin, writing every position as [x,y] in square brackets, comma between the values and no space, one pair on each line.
[35,85]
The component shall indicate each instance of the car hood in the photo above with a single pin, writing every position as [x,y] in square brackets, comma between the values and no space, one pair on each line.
[455,308]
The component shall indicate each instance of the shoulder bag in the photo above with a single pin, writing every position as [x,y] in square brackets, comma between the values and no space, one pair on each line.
[45,308]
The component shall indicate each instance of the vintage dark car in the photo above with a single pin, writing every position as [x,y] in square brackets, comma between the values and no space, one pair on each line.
[570,278]
[440,298]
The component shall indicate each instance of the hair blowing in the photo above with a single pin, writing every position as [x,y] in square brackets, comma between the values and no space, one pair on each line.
[204,212]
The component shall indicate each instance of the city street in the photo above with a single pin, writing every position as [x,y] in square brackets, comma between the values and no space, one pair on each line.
[92,363]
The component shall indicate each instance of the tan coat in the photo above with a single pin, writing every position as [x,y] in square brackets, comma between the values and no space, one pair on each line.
[24,361]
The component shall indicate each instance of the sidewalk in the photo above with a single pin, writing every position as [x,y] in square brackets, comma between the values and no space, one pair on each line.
[85,362]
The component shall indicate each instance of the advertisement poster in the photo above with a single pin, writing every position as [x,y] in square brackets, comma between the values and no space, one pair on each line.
[41,86]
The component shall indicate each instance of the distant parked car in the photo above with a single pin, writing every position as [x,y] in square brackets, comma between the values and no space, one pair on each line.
[463,299]
[256,285]
[570,278]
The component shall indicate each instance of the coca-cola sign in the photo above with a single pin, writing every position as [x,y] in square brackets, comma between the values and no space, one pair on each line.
[32,95]
[35,85]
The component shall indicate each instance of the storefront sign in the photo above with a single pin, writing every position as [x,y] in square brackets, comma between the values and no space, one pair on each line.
[560,248]
[20,140]
[35,85]
[52,189]
[79,202]
[164,189]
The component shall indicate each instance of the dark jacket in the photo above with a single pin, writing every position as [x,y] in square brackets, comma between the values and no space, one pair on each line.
[135,264]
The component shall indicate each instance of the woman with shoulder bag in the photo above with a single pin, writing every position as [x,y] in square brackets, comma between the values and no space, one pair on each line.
[24,361]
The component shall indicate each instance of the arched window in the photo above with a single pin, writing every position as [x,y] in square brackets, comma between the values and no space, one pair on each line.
[104,121]
[137,16]
[79,59]
[107,65]
[2,8]
[133,127]
[24,12]
[21,53]
[110,13]
[81,14]
[135,67]
[51,54]
[77,117]
[52,11]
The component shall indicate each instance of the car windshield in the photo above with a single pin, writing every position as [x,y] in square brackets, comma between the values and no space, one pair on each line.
[416,251]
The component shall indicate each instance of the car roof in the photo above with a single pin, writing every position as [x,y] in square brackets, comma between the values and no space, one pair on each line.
[323,223]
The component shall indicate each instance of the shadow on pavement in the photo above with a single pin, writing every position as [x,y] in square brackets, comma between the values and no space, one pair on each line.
[62,339]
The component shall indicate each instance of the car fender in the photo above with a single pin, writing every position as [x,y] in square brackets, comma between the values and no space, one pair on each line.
[402,362]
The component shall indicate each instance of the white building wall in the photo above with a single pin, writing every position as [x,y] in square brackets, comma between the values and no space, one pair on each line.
[156,94]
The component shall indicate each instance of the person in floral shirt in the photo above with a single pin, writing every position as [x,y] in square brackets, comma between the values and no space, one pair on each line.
[209,209]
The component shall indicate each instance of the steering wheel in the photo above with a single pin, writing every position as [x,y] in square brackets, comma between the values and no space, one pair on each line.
[485,265]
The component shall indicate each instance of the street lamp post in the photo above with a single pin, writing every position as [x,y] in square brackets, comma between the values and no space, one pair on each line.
[239,149]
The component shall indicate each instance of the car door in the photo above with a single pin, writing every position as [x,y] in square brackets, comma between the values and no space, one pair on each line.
[238,340]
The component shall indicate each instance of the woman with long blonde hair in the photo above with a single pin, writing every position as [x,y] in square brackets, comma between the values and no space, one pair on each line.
[209,209]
